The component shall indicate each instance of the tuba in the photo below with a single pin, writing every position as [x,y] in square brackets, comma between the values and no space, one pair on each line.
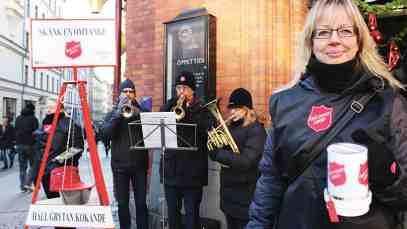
[178,109]
[219,136]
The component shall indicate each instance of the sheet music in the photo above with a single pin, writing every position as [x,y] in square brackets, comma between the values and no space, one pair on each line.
[154,140]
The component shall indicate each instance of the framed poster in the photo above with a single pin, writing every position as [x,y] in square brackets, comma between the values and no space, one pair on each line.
[190,46]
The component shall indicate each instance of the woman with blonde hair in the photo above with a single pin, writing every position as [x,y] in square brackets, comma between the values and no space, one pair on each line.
[345,94]
[239,171]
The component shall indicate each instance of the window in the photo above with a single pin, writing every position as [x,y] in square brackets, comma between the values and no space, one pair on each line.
[41,78]
[25,74]
[43,15]
[9,107]
[34,78]
[47,82]
[27,39]
[52,84]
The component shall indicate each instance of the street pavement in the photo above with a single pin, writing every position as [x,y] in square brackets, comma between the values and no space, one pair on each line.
[14,204]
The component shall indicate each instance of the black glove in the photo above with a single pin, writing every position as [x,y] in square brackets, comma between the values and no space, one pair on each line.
[380,158]
[123,100]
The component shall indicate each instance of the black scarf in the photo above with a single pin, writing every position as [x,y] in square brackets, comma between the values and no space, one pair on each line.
[333,78]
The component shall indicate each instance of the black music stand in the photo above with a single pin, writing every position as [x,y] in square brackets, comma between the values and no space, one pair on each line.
[161,127]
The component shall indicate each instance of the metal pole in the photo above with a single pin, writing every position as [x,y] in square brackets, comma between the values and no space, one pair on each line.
[117,72]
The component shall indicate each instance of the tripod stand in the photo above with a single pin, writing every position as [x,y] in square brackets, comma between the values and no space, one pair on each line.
[162,132]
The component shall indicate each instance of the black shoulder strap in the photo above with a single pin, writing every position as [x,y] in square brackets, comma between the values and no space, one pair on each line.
[311,149]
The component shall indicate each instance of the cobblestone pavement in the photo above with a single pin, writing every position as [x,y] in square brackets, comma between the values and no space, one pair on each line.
[14,205]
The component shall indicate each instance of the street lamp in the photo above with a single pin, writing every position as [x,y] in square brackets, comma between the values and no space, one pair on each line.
[96,6]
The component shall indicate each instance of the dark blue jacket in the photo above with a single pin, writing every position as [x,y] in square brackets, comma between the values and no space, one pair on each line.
[116,128]
[300,205]
[59,142]
[25,125]
[238,179]
[8,137]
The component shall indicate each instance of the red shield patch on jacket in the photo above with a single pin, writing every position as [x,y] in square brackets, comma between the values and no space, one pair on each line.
[73,49]
[47,128]
[363,174]
[320,118]
[337,175]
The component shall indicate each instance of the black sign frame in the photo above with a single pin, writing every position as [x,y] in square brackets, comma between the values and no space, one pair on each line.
[190,41]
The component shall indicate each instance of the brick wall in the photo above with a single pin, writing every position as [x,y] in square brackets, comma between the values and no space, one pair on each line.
[256,41]
[255,46]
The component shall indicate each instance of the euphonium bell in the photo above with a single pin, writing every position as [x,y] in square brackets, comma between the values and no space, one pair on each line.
[178,109]
[220,136]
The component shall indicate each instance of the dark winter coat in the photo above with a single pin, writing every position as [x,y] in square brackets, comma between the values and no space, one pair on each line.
[116,128]
[25,125]
[240,171]
[59,142]
[7,137]
[187,168]
[301,204]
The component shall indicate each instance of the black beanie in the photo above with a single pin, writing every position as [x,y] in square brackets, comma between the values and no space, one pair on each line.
[127,84]
[186,78]
[240,97]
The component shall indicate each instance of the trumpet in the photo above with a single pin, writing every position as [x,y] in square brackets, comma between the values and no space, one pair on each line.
[178,109]
[128,110]
[220,136]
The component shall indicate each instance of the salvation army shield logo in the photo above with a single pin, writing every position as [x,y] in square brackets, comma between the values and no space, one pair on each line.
[73,49]
[320,118]
[363,174]
[336,173]
[47,128]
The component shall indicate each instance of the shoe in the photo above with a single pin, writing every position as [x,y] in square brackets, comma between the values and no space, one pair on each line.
[28,188]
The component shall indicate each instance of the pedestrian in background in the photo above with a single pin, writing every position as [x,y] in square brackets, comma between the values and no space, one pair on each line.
[66,129]
[59,143]
[25,125]
[7,141]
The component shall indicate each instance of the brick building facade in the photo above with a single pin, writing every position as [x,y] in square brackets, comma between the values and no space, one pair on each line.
[255,44]
[255,49]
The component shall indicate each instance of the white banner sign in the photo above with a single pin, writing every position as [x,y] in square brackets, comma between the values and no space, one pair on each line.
[67,43]
[70,216]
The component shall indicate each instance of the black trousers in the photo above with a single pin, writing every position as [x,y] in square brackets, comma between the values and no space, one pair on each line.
[25,158]
[122,178]
[192,199]
[235,223]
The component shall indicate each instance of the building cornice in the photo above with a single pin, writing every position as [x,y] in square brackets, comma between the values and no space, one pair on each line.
[12,45]
[13,7]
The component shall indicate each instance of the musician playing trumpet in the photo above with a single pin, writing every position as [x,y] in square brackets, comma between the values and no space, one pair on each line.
[239,174]
[184,173]
[129,167]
